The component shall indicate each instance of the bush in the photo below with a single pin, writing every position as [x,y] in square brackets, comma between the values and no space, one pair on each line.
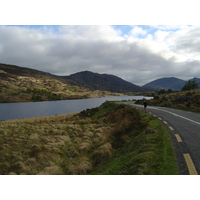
[36,97]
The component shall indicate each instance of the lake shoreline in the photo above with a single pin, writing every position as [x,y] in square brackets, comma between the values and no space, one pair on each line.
[9,111]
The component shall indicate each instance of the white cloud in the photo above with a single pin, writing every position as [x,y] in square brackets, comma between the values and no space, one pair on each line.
[170,27]
[160,36]
[101,49]
[136,31]
[90,32]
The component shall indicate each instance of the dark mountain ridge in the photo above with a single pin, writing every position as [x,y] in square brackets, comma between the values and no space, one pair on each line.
[165,83]
[104,82]
[7,70]
[197,80]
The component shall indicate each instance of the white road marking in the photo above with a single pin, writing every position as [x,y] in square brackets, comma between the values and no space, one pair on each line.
[177,115]
[170,113]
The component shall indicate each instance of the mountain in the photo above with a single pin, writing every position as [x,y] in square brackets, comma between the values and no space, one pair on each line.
[104,82]
[197,80]
[20,84]
[165,83]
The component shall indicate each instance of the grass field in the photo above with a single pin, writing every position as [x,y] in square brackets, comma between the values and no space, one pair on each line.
[110,139]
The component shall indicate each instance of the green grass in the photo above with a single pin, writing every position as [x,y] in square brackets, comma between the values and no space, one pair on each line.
[165,159]
[146,154]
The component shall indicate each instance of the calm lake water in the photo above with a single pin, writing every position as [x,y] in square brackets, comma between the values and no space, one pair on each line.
[50,108]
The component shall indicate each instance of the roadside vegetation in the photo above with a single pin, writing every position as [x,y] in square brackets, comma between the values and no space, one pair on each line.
[110,139]
[187,99]
[183,100]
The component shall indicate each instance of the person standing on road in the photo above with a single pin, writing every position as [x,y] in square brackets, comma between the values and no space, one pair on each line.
[145,105]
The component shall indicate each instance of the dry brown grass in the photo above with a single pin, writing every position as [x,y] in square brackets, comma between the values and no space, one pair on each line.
[63,144]
[102,153]
[50,145]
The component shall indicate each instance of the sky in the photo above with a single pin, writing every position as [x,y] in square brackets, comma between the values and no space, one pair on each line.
[137,53]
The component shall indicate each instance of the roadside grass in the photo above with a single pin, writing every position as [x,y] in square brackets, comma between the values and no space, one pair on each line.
[148,153]
[110,139]
[182,100]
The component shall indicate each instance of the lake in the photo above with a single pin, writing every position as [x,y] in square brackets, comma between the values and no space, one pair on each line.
[49,108]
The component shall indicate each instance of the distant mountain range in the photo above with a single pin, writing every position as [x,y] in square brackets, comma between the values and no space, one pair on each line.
[20,83]
[85,79]
[172,83]
[165,83]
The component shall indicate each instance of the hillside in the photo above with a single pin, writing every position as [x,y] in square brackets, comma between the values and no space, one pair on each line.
[19,84]
[165,83]
[104,82]
[184,100]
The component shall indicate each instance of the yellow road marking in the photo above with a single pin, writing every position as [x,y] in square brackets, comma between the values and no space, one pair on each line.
[159,118]
[165,122]
[178,138]
[154,115]
[171,128]
[190,164]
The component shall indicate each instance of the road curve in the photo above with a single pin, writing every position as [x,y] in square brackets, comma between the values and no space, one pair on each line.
[184,128]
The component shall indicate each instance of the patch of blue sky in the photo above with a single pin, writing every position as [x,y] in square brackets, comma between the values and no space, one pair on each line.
[125,29]
[149,29]
[51,27]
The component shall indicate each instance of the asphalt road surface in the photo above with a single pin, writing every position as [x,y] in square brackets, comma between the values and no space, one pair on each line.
[184,129]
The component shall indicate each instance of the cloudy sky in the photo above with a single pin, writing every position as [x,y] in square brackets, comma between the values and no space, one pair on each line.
[136,53]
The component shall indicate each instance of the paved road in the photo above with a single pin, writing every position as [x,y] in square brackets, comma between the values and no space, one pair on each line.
[184,128]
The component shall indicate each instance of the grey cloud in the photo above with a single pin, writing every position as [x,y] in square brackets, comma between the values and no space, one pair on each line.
[64,54]
[187,41]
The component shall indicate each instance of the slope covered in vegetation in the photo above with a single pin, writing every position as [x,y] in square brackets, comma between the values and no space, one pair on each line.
[110,139]
[19,84]
[185,100]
